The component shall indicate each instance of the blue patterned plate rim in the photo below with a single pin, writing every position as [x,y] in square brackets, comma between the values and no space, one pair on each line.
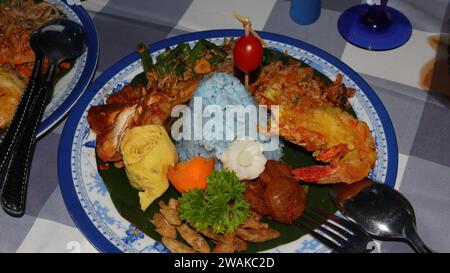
[67,187]
[86,75]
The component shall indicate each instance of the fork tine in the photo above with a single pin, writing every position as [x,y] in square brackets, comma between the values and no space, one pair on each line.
[345,233]
[347,224]
[316,223]
[320,237]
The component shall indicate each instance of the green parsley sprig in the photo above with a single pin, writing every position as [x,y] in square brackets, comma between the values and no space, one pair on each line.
[221,206]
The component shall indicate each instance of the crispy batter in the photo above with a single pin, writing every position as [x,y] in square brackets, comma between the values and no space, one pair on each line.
[163,227]
[193,238]
[176,246]
[257,235]
[170,214]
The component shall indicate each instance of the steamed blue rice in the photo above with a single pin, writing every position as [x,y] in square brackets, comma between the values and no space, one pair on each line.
[219,89]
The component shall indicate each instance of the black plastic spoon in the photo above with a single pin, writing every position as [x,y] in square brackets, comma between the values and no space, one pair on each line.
[381,211]
[58,40]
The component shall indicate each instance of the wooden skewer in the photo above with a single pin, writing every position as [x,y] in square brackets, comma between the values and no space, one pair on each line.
[246,23]
[248,29]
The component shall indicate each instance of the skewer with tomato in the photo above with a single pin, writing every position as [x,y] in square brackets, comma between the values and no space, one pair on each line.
[248,50]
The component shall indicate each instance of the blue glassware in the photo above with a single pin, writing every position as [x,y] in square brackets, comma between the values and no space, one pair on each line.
[375,27]
[305,12]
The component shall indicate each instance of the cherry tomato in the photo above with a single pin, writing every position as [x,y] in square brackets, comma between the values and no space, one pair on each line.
[247,53]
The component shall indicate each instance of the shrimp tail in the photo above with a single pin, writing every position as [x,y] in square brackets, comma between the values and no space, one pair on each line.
[327,174]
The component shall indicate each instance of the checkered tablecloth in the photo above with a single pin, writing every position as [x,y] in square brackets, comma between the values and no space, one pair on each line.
[413,82]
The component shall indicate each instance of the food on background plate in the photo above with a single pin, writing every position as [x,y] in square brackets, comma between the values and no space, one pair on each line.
[11,89]
[18,19]
[245,158]
[148,152]
[191,174]
[276,193]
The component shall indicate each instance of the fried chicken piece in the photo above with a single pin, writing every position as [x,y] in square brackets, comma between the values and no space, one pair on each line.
[163,227]
[170,214]
[257,235]
[193,238]
[101,118]
[176,246]
[129,95]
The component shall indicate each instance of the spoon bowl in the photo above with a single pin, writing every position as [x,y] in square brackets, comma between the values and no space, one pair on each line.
[382,211]
[61,39]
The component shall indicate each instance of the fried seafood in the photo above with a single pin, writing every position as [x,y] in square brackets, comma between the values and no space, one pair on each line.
[334,137]
[311,115]
[193,238]
[276,193]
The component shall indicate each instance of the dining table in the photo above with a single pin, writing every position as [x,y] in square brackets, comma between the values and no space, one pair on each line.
[412,81]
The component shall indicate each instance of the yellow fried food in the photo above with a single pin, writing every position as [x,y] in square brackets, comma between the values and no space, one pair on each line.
[11,89]
[147,153]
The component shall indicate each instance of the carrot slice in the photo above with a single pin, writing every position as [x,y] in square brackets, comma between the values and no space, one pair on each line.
[191,174]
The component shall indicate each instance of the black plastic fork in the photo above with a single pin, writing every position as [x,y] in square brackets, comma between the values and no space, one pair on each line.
[337,233]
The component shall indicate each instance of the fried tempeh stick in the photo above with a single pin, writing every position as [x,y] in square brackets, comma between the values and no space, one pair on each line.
[176,246]
[170,214]
[257,235]
[163,227]
[193,238]
[227,244]
[238,244]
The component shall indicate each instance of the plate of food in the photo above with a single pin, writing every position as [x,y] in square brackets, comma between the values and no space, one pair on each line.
[17,58]
[172,149]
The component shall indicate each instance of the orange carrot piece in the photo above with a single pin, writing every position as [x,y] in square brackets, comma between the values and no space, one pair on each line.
[191,174]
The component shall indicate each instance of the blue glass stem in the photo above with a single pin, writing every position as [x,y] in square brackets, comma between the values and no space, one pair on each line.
[376,16]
